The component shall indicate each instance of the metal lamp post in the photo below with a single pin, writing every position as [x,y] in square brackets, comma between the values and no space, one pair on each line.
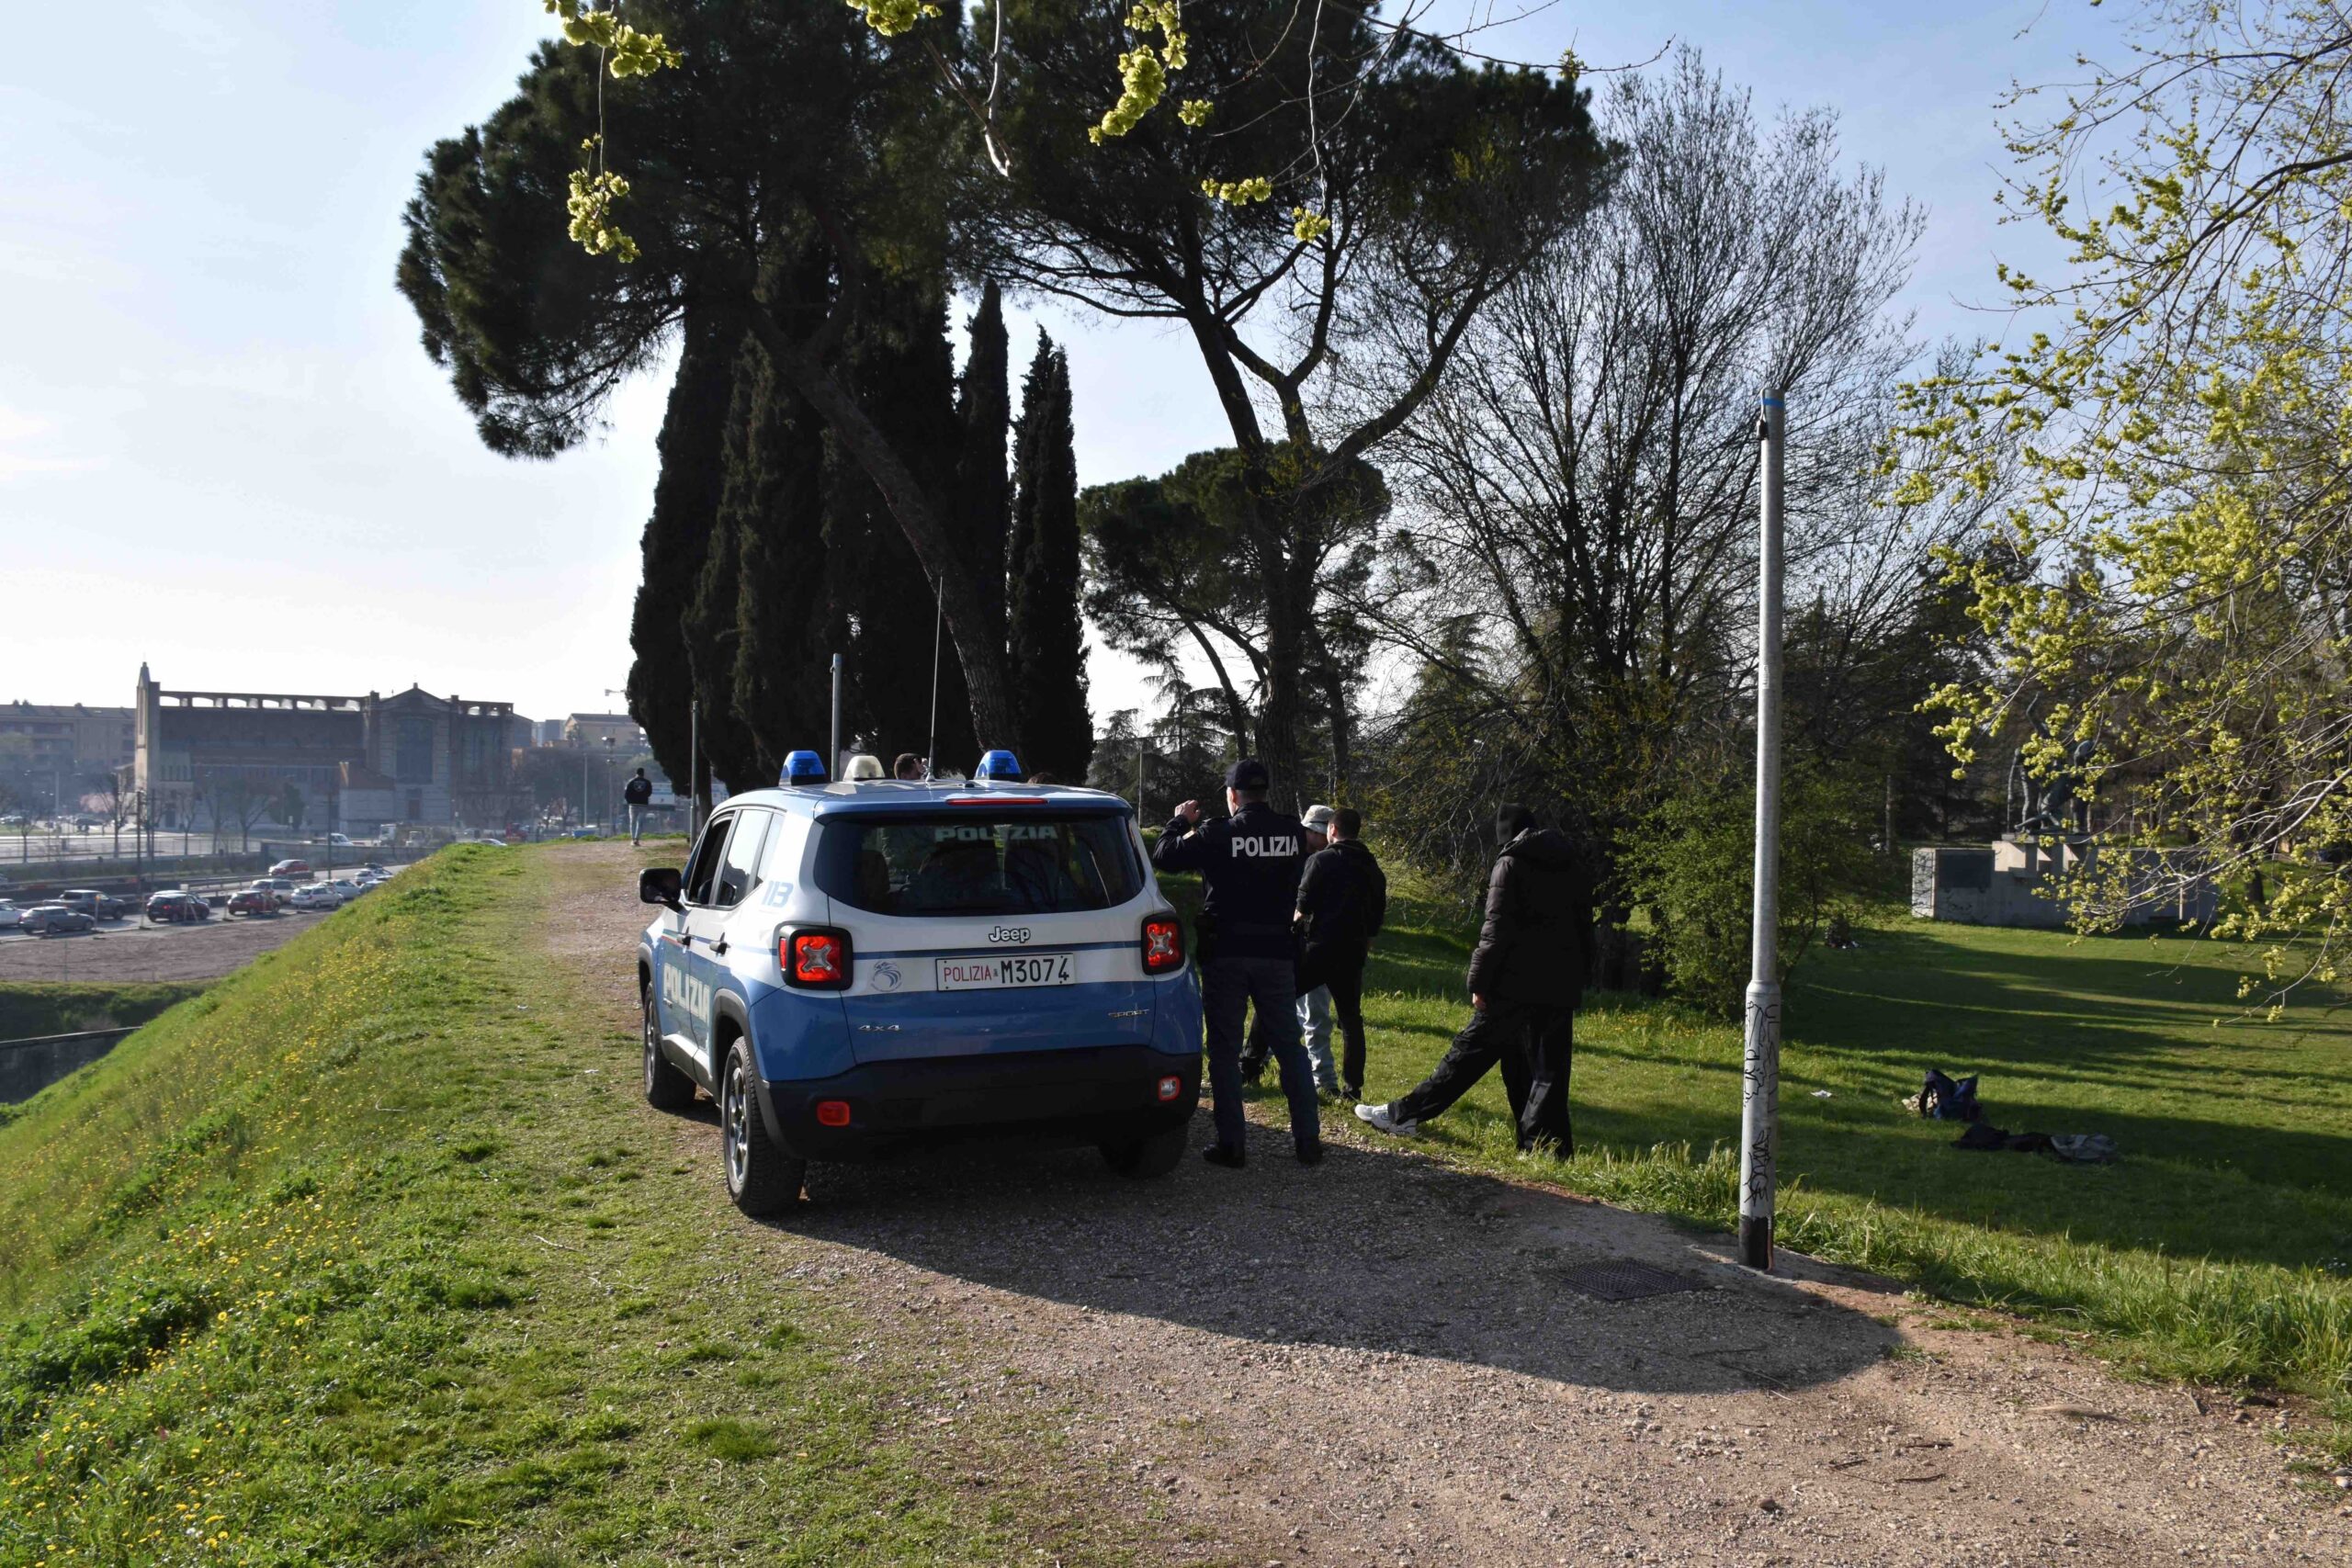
[834,760]
[1760,1067]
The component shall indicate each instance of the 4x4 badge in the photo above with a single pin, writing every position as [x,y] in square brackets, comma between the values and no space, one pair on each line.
[887,976]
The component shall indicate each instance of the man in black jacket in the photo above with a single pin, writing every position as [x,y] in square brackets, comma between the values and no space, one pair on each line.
[1526,979]
[1248,864]
[1342,899]
[639,794]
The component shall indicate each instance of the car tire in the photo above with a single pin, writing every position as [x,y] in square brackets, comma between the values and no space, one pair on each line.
[762,1179]
[1154,1156]
[666,1088]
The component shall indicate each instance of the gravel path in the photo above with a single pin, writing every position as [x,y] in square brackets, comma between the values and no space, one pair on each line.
[1381,1359]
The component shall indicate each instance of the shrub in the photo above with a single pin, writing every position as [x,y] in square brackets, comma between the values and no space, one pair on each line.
[1690,864]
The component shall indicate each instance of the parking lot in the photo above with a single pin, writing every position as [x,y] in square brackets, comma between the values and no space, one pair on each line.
[126,950]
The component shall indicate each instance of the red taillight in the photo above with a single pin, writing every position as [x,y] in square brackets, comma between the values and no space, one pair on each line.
[818,959]
[832,1114]
[1170,1087]
[1163,944]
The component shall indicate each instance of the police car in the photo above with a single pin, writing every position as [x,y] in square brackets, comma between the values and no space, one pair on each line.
[852,968]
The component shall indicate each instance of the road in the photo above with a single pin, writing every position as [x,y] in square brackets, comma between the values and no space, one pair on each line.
[1390,1359]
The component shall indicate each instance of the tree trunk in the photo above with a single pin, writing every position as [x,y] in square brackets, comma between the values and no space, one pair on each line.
[978,650]
[1335,700]
[1280,727]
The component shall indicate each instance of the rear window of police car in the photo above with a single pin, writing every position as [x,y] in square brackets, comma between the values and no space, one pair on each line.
[979,862]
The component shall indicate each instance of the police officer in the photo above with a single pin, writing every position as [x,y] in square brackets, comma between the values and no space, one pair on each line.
[1250,865]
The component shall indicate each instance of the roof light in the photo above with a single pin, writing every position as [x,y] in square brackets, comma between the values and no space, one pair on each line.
[999,764]
[802,768]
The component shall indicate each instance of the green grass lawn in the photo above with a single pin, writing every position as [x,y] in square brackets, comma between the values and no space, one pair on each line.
[2219,1248]
[372,1252]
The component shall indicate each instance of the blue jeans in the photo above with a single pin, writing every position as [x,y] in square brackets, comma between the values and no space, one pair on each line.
[1229,985]
[1314,1008]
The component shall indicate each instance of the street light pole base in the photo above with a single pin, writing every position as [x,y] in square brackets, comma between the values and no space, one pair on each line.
[1755,1242]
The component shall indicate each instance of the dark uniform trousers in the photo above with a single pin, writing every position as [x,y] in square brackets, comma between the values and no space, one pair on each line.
[1534,1044]
[1228,985]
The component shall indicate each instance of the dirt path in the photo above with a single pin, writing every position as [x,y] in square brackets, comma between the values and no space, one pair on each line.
[1382,1359]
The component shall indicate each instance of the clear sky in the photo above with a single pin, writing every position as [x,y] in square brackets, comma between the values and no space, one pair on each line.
[222,450]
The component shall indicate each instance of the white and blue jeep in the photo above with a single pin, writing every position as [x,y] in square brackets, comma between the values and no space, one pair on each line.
[852,969]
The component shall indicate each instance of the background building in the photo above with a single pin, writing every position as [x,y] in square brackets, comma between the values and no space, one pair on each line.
[208,759]
[70,736]
[596,728]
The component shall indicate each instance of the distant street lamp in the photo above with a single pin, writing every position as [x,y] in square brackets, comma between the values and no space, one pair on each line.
[608,781]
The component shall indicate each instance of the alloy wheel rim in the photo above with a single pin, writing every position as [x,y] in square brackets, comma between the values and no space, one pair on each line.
[739,1128]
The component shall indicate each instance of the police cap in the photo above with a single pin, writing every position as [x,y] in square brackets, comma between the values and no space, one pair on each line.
[1249,774]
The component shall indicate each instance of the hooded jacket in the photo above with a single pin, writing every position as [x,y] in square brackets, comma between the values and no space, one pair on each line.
[1536,945]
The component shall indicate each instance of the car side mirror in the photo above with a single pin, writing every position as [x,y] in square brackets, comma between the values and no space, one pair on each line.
[661,884]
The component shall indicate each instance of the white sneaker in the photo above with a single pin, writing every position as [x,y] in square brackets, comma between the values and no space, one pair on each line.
[1377,1118]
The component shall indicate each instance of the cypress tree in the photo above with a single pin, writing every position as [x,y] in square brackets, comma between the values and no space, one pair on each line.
[675,544]
[774,502]
[1047,642]
[900,363]
[982,496]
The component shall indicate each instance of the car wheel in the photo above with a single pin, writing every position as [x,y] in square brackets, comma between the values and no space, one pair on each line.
[1154,1156]
[761,1178]
[666,1088]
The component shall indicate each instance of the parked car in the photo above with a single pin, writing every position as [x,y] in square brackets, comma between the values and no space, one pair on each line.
[290,868]
[349,888]
[55,919]
[177,906]
[11,917]
[253,901]
[96,905]
[315,896]
[853,970]
[279,884]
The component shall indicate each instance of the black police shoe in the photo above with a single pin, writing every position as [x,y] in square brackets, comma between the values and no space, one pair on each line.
[1217,1154]
[1310,1154]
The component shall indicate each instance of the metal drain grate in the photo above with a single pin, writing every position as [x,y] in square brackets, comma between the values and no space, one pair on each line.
[1622,1280]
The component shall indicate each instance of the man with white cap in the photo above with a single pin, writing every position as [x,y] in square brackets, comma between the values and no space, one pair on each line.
[1314,1007]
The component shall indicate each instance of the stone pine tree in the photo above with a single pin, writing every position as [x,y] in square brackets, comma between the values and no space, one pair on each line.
[1045,644]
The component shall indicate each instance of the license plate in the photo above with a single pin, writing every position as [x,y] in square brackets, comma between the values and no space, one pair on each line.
[997,971]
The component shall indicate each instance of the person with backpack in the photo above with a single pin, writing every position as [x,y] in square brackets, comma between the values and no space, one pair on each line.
[637,794]
[1526,977]
[1342,900]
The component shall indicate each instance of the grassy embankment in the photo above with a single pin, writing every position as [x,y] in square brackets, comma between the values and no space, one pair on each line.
[2219,1250]
[372,1252]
